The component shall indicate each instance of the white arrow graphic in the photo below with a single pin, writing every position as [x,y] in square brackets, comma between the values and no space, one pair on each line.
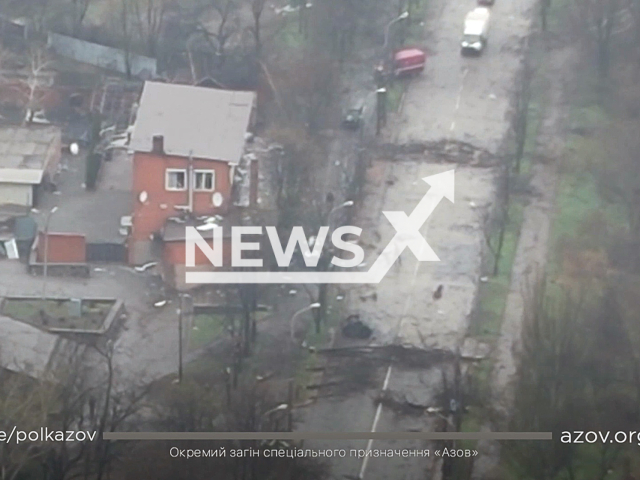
[407,235]
[408,227]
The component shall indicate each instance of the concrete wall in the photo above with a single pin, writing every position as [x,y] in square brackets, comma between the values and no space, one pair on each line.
[16,194]
[175,253]
[102,56]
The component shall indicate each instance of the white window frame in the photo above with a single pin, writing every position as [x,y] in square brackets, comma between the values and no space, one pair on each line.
[166,179]
[213,180]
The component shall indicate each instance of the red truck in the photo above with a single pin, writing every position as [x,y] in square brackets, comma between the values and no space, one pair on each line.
[409,61]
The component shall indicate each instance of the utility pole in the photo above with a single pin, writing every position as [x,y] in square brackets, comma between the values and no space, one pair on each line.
[381,110]
[180,314]
[46,253]
[290,404]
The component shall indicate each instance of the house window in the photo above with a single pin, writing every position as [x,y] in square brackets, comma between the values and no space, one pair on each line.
[176,179]
[204,180]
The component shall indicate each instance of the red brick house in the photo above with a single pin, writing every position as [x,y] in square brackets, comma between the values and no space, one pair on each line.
[186,143]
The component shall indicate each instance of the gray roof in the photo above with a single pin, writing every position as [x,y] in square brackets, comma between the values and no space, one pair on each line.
[23,153]
[26,349]
[203,122]
[94,214]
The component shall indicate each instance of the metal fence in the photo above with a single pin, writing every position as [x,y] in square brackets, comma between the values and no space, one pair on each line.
[101,56]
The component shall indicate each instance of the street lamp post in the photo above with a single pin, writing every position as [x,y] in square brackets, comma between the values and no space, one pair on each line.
[401,17]
[279,408]
[348,203]
[297,314]
[180,334]
[46,253]
[282,406]
[381,109]
[386,52]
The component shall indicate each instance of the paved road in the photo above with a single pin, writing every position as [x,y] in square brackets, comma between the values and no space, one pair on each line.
[465,98]
[459,99]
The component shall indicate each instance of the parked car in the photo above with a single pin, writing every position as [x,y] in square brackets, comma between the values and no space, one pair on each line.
[353,117]
[476,31]
[409,61]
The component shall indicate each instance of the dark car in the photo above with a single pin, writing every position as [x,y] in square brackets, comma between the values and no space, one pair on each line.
[353,118]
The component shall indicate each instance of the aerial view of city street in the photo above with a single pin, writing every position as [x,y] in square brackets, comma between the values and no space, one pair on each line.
[334,239]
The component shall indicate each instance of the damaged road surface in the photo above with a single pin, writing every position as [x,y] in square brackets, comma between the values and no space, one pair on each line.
[457,114]
[418,307]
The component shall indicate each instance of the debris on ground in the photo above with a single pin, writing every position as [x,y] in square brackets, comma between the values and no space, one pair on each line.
[399,403]
[473,349]
[437,294]
[373,296]
[145,267]
[444,150]
[356,328]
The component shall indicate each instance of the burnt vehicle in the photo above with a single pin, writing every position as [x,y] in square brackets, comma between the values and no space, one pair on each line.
[353,117]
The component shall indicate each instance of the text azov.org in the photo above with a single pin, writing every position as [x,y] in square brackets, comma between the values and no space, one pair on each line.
[579,436]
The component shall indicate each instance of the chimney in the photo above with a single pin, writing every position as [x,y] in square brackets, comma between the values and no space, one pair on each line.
[158,144]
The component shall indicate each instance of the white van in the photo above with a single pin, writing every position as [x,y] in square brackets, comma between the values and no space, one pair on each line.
[476,30]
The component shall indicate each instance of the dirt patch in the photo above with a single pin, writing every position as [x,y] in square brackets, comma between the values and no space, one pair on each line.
[58,313]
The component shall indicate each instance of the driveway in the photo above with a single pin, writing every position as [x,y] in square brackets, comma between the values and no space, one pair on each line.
[465,98]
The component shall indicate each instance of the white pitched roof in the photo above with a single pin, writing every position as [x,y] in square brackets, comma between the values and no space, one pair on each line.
[203,122]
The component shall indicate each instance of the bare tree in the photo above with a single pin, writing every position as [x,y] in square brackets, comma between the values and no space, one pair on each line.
[88,397]
[597,20]
[79,9]
[36,82]
[634,11]
[548,393]
[124,25]
[496,223]
[248,294]
[544,10]
[150,16]
[618,174]
[523,100]
[227,25]
[257,7]
[311,83]
[296,193]
[79,393]
[22,404]
[198,405]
